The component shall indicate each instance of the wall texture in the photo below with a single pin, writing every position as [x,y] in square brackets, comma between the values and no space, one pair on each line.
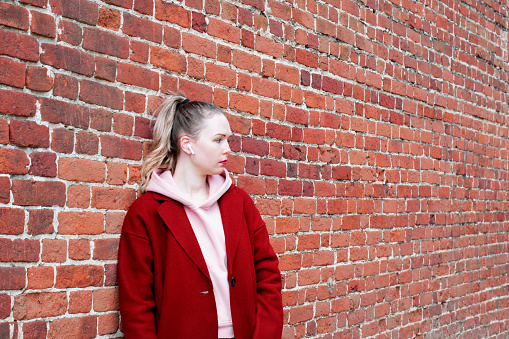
[372,134]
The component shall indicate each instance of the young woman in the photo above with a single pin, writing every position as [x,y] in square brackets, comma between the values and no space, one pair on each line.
[195,259]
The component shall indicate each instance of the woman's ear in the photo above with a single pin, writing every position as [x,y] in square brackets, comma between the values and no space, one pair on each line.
[185,145]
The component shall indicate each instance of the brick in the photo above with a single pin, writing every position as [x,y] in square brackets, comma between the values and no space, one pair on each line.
[247,61]
[56,111]
[172,13]
[121,3]
[38,193]
[144,6]
[79,276]
[102,95]
[81,170]
[70,32]
[81,10]
[4,132]
[106,299]
[220,75]
[5,305]
[172,37]
[140,50]
[14,16]
[134,102]
[79,249]
[138,76]
[19,250]
[101,120]
[62,140]
[40,221]
[19,45]
[69,328]
[43,164]
[117,173]
[67,58]
[114,222]
[244,103]
[196,91]
[108,323]
[112,198]
[12,278]
[54,250]
[197,45]
[287,74]
[78,196]
[12,73]
[105,69]
[43,24]
[120,148]
[105,42]
[109,18]
[265,88]
[65,86]
[198,22]
[160,57]
[28,134]
[142,28]
[13,161]
[39,305]
[5,189]
[111,275]
[80,223]
[17,103]
[80,301]
[39,79]
[220,29]
[35,330]
[87,143]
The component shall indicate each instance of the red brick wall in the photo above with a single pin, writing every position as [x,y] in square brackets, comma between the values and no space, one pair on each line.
[372,134]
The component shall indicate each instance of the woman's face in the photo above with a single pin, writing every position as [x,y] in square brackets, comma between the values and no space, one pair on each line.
[211,147]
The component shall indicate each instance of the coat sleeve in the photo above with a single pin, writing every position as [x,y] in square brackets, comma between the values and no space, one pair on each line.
[136,280]
[269,308]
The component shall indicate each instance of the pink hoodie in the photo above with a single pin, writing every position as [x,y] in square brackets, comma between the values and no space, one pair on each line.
[208,229]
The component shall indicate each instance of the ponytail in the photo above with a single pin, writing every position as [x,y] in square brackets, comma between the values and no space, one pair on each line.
[177,116]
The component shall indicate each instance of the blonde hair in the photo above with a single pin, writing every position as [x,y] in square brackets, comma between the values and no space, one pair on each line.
[176,117]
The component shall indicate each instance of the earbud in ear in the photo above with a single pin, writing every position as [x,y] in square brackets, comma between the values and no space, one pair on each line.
[190,148]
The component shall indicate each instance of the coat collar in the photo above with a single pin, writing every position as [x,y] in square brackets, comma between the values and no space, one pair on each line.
[174,217]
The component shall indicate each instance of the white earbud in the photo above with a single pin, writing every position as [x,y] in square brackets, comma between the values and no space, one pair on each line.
[190,148]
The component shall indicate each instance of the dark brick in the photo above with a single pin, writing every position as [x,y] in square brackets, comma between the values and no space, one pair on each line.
[68,58]
[12,73]
[19,45]
[105,69]
[62,140]
[43,24]
[62,112]
[28,134]
[81,10]
[5,305]
[39,79]
[115,147]
[65,86]
[87,143]
[105,42]
[43,164]
[17,103]
[101,95]
[12,220]
[14,16]
[12,278]
[19,250]
[70,32]
[5,190]
[101,120]
[40,221]
[142,28]
[38,193]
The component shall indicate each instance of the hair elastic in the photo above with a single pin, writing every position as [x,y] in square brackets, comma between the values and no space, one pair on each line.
[185,101]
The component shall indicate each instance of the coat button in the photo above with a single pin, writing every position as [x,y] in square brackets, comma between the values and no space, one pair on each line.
[232,281]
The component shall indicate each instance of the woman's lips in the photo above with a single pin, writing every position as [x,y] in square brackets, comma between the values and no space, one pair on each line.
[223,162]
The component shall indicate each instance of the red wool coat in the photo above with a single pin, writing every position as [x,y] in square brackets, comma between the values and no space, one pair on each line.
[165,287]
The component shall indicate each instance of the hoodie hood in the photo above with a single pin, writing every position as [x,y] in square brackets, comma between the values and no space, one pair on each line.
[162,182]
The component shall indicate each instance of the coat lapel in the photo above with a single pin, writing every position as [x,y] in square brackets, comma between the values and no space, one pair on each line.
[175,218]
[232,214]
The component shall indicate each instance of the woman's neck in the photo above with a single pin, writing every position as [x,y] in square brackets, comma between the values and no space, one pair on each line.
[194,185]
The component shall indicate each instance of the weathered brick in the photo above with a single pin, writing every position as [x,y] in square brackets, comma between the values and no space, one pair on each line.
[105,42]
[39,305]
[72,276]
[19,250]
[14,16]
[54,250]
[67,58]
[28,134]
[81,170]
[38,193]
[102,95]
[62,140]
[87,143]
[43,24]
[35,329]
[70,32]
[106,249]
[12,278]
[43,164]
[39,79]
[17,103]
[105,69]
[12,73]
[115,147]
[65,86]
[69,328]
[138,76]
[109,18]
[80,223]
[19,45]
[13,161]
[167,11]
[142,28]
[81,10]
[112,198]
[40,221]
[171,61]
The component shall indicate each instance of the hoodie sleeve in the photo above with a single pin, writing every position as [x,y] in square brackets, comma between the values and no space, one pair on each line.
[135,279]
[269,308]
